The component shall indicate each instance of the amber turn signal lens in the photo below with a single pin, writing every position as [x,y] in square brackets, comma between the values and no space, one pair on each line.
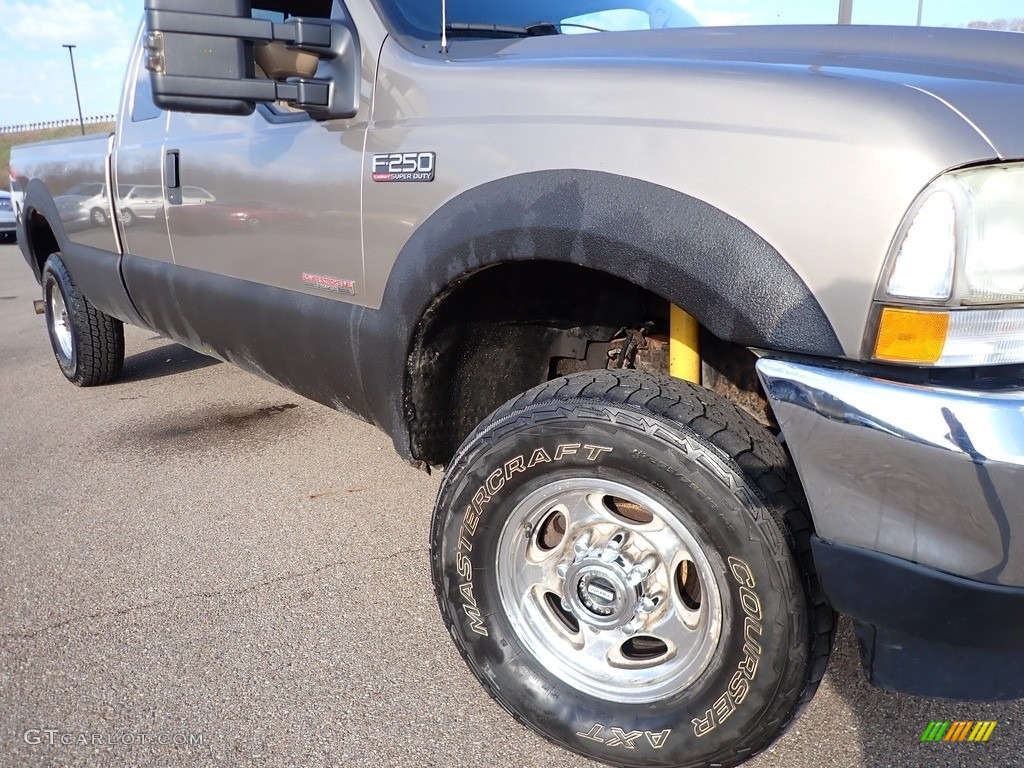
[910,336]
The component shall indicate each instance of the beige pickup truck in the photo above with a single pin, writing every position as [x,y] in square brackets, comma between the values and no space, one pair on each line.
[714,331]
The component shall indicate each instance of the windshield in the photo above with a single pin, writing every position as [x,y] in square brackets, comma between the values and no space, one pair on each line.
[423,19]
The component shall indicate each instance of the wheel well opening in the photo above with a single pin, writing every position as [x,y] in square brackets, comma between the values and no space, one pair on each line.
[41,240]
[508,328]
[504,330]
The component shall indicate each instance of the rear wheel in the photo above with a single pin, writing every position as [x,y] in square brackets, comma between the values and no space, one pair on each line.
[624,563]
[88,344]
[98,217]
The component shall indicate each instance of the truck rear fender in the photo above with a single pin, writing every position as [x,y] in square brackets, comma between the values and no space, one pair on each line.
[96,272]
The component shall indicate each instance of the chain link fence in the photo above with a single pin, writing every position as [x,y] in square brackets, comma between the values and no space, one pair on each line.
[55,124]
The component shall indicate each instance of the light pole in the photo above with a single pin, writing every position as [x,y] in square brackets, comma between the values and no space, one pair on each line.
[74,77]
[920,11]
[845,11]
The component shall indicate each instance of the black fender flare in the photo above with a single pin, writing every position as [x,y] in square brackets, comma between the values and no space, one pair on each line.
[39,202]
[691,253]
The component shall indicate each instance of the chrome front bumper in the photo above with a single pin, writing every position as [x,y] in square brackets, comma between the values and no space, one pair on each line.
[930,475]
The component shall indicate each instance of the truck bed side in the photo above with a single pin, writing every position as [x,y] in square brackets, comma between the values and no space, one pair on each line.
[74,172]
[62,197]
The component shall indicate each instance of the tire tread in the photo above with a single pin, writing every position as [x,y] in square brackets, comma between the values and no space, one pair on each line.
[99,337]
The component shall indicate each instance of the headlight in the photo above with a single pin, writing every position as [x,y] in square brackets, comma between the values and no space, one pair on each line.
[923,267]
[993,235]
[960,248]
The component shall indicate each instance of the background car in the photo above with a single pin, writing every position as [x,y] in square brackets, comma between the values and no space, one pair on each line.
[83,205]
[140,202]
[147,202]
[7,220]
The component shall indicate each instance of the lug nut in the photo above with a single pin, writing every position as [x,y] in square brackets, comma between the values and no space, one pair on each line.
[633,627]
[612,549]
[637,575]
[582,545]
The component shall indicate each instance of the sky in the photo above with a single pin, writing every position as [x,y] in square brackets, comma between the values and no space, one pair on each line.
[35,71]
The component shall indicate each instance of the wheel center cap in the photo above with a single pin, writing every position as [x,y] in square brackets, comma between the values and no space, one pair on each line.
[599,595]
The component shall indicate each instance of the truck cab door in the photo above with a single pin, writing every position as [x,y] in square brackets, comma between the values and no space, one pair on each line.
[273,197]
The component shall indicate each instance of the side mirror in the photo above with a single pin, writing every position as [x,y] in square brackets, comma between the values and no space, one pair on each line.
[200,57]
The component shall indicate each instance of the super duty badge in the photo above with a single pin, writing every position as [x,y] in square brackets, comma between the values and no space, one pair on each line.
[404,166]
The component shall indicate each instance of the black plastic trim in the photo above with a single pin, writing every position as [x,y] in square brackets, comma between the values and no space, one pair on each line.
[98,275]
[21,233]
[691,253]
[923,631]
[335,353]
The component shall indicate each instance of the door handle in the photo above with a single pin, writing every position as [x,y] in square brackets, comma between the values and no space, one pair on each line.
[172,178]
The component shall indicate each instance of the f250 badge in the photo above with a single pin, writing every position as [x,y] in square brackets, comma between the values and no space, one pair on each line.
[404,166]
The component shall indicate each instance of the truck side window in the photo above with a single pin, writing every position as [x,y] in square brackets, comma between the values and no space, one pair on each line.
[143,107]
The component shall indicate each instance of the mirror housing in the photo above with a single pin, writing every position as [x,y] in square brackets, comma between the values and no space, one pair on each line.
[200,55]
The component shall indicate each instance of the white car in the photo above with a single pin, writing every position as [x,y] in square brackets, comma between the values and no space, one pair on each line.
[140,202]
[7,219]
[83,205]
[147,202]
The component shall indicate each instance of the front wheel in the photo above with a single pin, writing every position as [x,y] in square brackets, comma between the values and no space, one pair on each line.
[88,344]
[623,563]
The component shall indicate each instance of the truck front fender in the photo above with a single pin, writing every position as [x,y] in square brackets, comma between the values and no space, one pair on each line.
[696,256]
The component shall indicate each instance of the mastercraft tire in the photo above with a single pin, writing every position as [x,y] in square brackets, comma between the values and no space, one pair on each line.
[623,561]
[88,344]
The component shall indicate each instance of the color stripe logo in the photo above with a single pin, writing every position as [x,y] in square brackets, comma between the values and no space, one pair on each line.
[962,730]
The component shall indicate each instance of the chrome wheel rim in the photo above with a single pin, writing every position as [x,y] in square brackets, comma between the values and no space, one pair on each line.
[60,323]
[609,590]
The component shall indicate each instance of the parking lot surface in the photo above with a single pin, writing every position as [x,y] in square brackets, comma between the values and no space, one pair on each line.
[200,568]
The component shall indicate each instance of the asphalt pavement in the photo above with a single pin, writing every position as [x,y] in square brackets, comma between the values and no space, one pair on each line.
[200,568]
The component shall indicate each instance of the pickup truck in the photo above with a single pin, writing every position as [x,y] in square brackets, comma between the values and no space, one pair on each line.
[714,331]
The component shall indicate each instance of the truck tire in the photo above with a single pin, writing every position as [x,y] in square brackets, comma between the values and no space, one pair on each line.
[623,561]
[88,344]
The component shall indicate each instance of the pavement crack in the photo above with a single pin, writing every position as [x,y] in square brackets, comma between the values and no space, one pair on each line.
[205,594]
